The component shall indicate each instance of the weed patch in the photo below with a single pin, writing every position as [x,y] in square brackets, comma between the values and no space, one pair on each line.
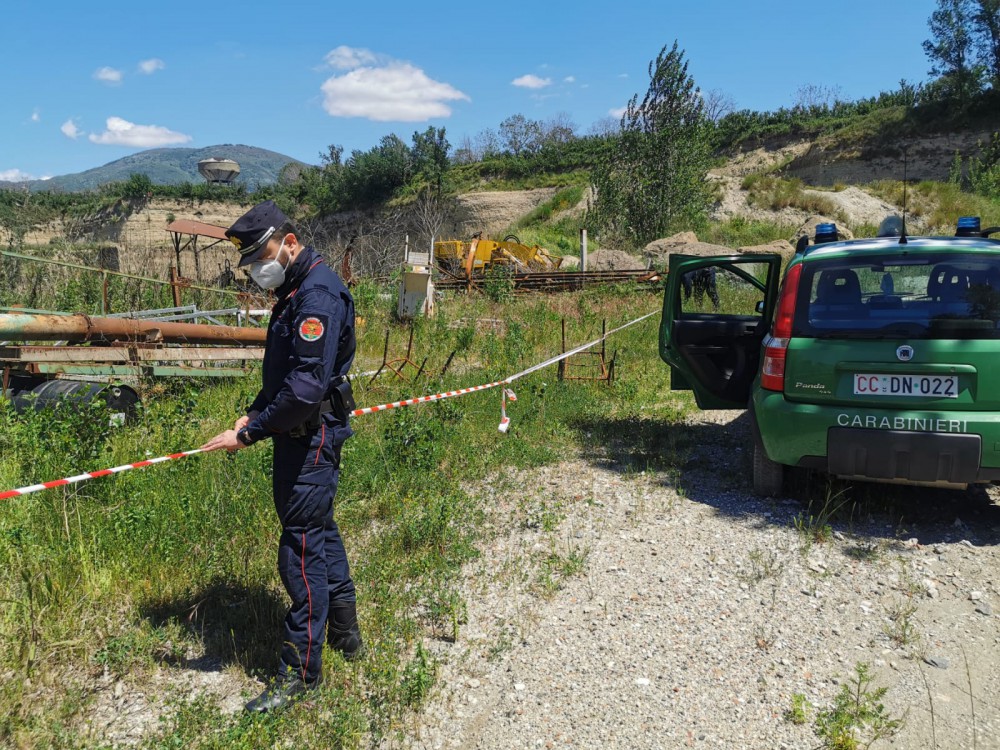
[857,718]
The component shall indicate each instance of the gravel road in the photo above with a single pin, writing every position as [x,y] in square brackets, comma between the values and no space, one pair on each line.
[663,608]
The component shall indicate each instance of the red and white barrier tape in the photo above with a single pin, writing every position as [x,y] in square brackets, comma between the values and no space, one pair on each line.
[508,394]
[94,474]
[424,399]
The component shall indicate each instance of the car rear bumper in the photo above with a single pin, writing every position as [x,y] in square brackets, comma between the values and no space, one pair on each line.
[947,448]
[923,457]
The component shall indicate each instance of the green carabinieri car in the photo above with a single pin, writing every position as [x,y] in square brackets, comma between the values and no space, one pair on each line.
[876,359]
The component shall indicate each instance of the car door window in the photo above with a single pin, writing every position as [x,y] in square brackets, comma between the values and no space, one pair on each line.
[723,290]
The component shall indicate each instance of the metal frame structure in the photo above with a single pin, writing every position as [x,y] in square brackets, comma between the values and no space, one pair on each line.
[194,230]
[124,347]
[596,359]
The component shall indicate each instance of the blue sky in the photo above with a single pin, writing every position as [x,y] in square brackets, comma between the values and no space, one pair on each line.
[88,83]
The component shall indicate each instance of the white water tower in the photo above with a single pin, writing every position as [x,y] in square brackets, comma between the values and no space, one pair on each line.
[219,171]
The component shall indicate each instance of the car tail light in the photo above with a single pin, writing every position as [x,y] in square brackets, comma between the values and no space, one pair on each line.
[772,372]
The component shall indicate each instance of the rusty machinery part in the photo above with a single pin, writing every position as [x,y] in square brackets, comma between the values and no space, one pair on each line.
[83,328]
[39,394]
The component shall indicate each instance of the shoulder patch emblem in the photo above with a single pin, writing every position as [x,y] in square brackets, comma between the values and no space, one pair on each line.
[311,329]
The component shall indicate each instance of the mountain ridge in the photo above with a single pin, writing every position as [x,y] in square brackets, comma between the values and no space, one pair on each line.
[169,166]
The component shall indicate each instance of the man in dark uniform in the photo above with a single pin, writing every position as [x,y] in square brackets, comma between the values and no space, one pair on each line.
[303,407]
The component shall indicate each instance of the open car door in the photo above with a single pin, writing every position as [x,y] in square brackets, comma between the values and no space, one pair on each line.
[716,312]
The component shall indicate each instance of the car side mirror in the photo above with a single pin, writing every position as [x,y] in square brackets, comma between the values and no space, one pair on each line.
[759,307]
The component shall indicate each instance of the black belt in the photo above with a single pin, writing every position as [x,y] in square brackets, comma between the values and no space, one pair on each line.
[340,403]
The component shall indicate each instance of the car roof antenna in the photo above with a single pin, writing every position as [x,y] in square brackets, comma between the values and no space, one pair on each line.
[902,234]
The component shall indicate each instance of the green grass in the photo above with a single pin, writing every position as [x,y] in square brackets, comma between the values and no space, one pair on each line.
[939,204]
[740,232]
[775,193]
[564,199]
[148,569]
[474,177]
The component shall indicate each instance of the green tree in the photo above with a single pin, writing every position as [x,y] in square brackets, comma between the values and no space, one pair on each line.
[21,212]
[372,177]
[521,136]
[984,171]
[430,155]
[652,179]
[952,50]
[987,20]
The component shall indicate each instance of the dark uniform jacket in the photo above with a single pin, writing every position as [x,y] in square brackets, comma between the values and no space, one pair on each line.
[310,347]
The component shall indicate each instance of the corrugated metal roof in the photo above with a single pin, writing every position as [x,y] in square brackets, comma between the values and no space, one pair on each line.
[187,226]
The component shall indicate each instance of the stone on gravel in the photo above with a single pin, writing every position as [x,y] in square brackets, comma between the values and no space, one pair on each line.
[784,248]
[613,260]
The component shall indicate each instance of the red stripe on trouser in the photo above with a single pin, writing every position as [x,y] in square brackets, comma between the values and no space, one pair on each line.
[309,622]
[321,441]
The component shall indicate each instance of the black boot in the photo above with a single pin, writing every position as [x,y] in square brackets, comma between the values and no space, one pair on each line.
[342,632]
[281,691]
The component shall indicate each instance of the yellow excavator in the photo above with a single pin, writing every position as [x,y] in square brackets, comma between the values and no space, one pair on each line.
[475,256]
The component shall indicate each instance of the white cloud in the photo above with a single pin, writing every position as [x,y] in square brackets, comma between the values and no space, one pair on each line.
[124,133]
[382,89]
[69,129]
[618,112]
[108,75]
[14,175]
[349,58]
[151,65]
[569,79]
[36,116]
[531,82]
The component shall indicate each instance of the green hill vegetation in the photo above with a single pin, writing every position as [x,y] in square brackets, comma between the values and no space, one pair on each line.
[174,166]
[648,184]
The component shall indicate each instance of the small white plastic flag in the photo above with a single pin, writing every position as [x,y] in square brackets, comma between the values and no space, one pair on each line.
[504,419]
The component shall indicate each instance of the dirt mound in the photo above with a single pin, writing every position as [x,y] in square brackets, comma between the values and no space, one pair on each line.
[857,206]
[928,158]
[762,159]
[684,243]
[493,212]
[613,260]
[785,249]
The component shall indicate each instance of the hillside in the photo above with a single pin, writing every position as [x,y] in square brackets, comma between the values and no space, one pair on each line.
[173,166]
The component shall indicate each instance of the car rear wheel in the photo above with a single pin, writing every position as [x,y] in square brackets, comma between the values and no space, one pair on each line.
[768,476]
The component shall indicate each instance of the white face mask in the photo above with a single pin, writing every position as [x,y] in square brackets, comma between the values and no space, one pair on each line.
[269,274]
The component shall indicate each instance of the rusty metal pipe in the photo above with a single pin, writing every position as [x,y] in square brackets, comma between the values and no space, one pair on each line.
[81,328]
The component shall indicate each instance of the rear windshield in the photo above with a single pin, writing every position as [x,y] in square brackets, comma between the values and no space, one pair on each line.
[935,296]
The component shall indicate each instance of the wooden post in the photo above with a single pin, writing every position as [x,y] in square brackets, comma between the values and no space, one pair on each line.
[561,370]
[583,249]
[104,295]
[175,286]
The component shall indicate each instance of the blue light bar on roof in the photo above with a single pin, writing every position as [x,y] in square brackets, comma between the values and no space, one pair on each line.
[968,226]
[826,233]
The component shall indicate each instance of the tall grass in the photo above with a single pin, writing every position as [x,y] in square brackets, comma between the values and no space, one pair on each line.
[155,569]
[776,193]
[741,232]
[939,204]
